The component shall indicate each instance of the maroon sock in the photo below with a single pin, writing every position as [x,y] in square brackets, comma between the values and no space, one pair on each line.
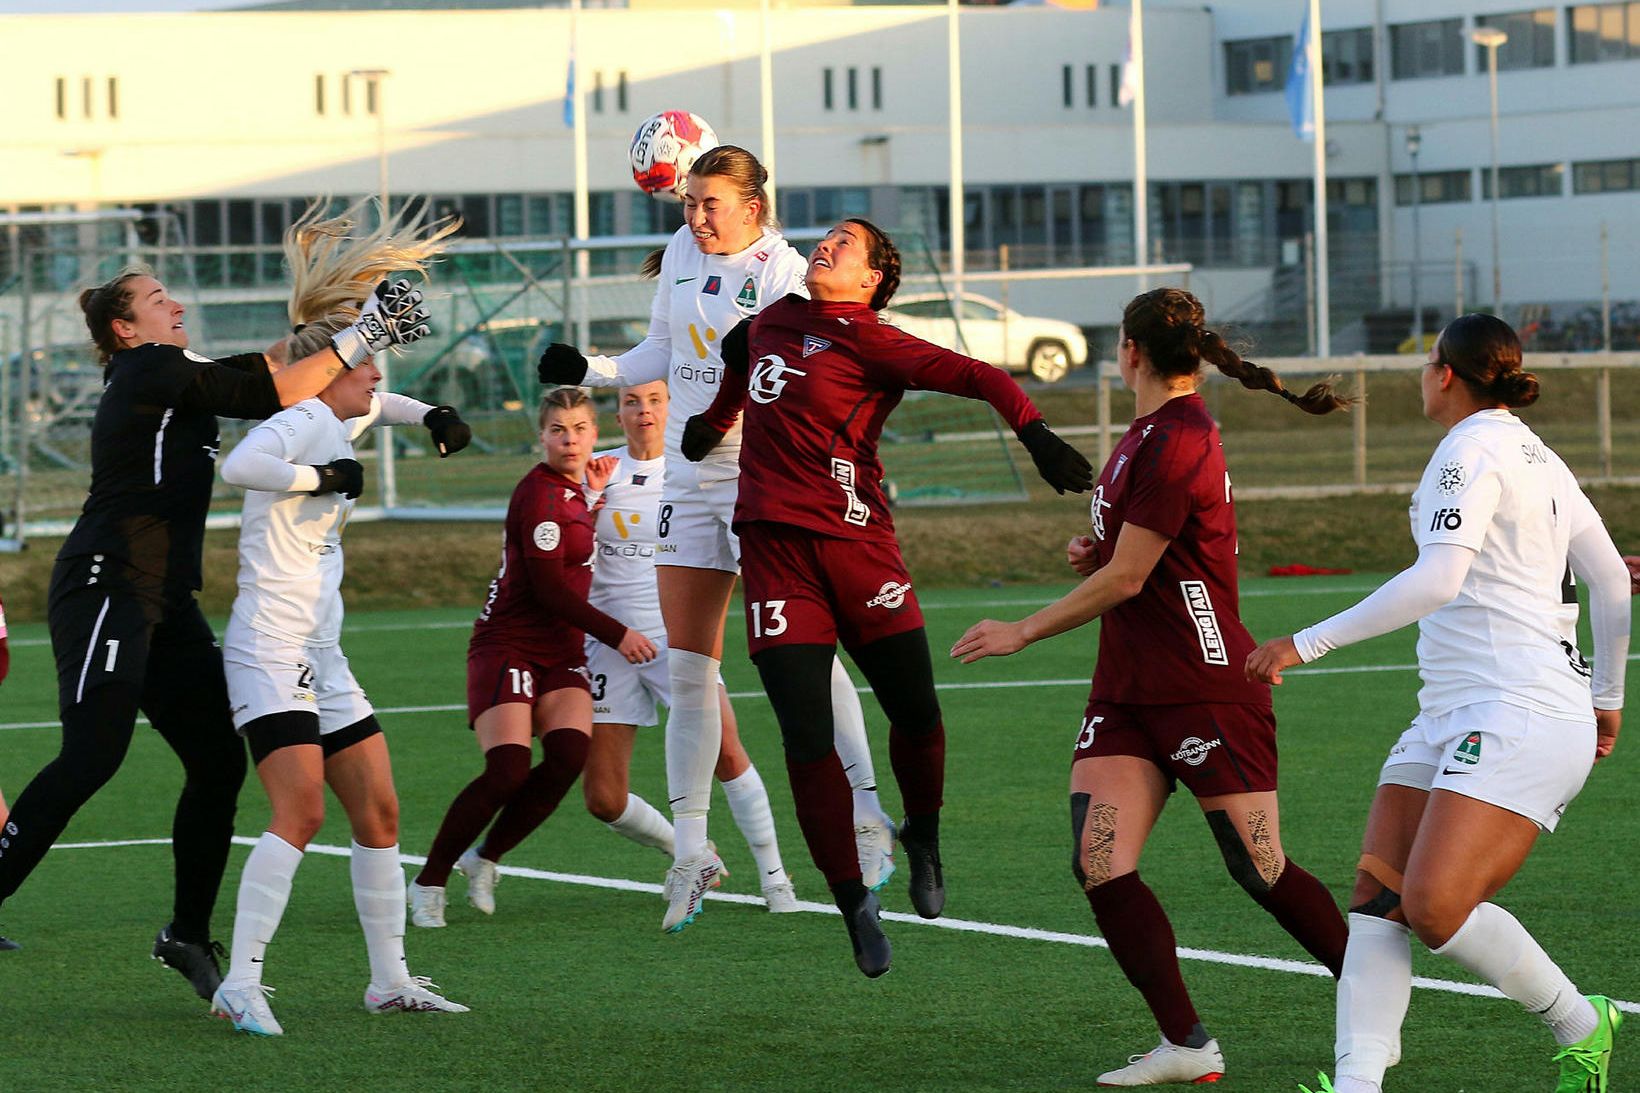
[825,812]
[1141,940]
[563,755]
[1306,910]
[919,768]
[505,768]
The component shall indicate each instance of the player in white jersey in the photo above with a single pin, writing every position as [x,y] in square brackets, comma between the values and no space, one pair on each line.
[1511,718]
[727,262]
[293,695]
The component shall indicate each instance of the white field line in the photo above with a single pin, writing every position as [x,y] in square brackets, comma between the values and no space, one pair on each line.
[967,926]
[978,685]
[935,605]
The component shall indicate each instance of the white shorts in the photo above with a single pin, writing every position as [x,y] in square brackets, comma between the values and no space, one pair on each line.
[267,676]
[624,693]
[694,526]
[1518,759]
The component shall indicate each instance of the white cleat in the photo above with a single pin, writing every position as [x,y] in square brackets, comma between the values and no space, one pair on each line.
[875,843]
[415,996]
[685,888]
[781,896]
[426,905]
[1169,1064]
[247,1008]
[481,880]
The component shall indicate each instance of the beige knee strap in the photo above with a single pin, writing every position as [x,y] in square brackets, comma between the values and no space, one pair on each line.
[1381,871]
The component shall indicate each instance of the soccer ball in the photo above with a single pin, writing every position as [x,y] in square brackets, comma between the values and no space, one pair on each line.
[664,148]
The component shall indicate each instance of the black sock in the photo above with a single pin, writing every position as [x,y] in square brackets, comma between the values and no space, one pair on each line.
[848,894]
[924,827]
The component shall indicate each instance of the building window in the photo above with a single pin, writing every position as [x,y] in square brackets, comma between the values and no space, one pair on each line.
[1531,41]
[826,88]
[598,92]
[853,88]
[62,97]
[347,95]
[1539,180]
[1606,176]
[1066,88]
[1093,85]
[1434,188]
[620,91]
[85,95]
[876,88]
[113,97]
[1419,50]
[319,94]
[1257,64]
[1346,56]
[372,94]
[1116,85]
[1603,32]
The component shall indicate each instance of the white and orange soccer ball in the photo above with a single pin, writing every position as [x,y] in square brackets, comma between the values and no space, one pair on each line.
[664,148]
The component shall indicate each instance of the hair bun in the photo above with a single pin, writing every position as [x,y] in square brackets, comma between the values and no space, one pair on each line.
[1516,388]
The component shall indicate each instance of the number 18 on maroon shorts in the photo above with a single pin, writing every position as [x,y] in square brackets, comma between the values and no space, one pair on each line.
[808,589]
[1214,748]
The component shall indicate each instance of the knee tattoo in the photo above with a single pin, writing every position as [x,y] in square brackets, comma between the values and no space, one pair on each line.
[1093,832]
[1254,863]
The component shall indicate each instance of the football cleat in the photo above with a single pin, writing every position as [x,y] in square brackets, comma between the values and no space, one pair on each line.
[1325,1086]
[414,996]
[875,844]
[1167,1064]
[1585,1066]
[8,945]
[426,905]
[198,963]
[481,880]
[927,878]
[685,888]
[247,1008]
[872,952]
[780,895]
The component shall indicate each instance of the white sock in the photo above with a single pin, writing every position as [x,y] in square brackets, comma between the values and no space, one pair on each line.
[1356,1085]
[749,802]
[264,889]
[1495,946]
[853,747]
[641,823]
[1373,993]
[694,734]
[378,896]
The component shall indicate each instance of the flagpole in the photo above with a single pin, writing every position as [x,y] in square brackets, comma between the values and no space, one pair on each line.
[583,220]
[1141,176]
[765,80]
[1323,318]
[959,243]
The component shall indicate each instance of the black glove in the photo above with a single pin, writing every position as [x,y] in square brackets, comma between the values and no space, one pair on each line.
[343,476]
[699,438]
[1060,465]
[561,363]
[736,347]
[450,433]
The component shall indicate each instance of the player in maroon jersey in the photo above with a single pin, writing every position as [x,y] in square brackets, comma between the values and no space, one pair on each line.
[1169,700]
[526,664]
[819,556]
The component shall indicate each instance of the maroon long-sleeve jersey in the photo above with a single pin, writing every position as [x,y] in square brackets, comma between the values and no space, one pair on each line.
[823,378]
[538,601]
[1181,638]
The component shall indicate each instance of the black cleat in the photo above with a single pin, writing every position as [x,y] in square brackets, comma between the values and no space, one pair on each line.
[197,963]
[872,952]
[927,880]
[7,945]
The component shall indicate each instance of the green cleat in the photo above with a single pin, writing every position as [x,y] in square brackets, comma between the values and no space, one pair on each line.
[1324,1087]
[1586,1065]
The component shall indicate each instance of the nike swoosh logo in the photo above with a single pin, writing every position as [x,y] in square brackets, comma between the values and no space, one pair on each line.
[682,280]
[1449,770]
[773,873]
[256,960]
[674,800]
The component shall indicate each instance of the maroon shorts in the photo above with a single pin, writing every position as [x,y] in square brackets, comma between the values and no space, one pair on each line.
[808,589]
[1214,748]
[497,676]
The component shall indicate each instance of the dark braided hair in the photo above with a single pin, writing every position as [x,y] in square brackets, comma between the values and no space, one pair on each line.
[884,257]
[1168,323]
[1484,352]
[107,302]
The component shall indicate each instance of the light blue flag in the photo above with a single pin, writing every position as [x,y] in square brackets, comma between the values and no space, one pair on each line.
[1300,103]
[569,94]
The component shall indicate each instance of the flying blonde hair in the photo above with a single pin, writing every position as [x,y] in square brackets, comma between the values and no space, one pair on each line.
[333,266]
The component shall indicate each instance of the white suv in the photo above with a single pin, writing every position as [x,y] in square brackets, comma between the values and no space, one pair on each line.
[1046,348]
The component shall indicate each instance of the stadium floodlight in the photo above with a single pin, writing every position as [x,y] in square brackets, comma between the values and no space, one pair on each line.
[1489,39]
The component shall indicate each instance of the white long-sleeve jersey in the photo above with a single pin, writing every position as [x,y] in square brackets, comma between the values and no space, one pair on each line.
[700,298]
[623,569]
[290,542]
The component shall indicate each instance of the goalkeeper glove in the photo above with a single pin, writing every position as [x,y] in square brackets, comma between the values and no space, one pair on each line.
[392,315]
[343,476]
[562,364]
[1060,465]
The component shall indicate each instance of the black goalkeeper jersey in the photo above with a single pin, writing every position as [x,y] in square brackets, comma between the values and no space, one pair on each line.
[153,459]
